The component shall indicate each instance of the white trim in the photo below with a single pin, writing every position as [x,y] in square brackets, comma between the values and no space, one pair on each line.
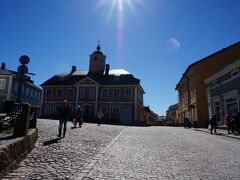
[79,82]
[72,94]
[135,103]
[230,93]
[9,87]
[102,93]
[119,97]
[89,89]
[3,83]
[85,85]
[228,69]
[45,94]
[108,86]
[57,93]
[83,92]
[96,101]
[131,96]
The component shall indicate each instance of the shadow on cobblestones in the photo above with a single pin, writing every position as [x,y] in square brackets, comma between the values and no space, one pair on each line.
[52,141]
[55,158]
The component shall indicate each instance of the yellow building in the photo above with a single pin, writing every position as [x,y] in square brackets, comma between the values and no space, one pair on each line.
[192,95]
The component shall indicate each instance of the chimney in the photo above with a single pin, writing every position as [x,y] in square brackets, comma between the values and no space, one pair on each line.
[107,69]
[74,68]
[3,66]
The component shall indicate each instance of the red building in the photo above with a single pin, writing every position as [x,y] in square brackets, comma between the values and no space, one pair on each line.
[117,92]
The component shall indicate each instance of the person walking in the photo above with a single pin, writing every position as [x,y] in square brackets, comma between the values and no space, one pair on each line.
[77,117]
[213,123]
[228,120]
[237,122]
[64,113]
[100,116]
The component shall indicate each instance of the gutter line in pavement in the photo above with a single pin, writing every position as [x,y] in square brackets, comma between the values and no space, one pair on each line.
[89,166]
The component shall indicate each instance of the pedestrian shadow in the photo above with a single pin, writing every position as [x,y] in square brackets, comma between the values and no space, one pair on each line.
[52,141]
[9,137]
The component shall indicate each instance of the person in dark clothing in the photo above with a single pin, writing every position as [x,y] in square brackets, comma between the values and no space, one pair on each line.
[237,122]
[100,116]
[64,113]
[77,115]
[213,123]
[228,120]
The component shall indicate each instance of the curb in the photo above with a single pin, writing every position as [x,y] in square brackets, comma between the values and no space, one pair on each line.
[222,134]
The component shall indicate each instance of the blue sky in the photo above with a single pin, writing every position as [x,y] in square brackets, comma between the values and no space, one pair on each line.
[155,40]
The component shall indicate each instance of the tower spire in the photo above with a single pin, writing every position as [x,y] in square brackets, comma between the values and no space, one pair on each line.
[98,47]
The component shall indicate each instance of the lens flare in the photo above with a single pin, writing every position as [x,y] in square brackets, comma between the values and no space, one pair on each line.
[119,6]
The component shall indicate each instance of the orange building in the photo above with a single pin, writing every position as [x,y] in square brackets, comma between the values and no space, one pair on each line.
[117,92]
[193,104]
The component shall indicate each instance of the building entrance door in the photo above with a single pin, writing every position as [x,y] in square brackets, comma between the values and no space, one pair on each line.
[126,114]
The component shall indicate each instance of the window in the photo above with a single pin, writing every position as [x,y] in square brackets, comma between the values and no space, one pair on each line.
[57,107]
[35,94]
[104,108]
[59,93]
[91,92]
[116,93]
[105,92]
[15,87]
[81,93]
[27,91]
[140,96]
[48,93]
[115,108]
[47,111]
[70,93]
[128,92]
[32,91]
[39,95]
[2,83]
[235,73]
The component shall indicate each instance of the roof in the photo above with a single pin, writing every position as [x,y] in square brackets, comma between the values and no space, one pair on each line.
[5,72]
[220,51]
[115,77]
[226,70]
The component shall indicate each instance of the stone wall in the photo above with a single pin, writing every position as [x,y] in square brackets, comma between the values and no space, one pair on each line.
[12,151]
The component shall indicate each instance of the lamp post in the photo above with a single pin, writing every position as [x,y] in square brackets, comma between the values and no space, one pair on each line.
[22,70]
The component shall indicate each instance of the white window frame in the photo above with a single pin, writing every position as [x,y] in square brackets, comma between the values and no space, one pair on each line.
[83,94]
[47,95]
[2,83]
[114,93]
[234,71]
[15,86]
[68,92]
[93,92]
[107,92]
[57,92]
[125,92]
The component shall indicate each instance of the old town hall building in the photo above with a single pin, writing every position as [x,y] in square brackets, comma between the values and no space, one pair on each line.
[116,91]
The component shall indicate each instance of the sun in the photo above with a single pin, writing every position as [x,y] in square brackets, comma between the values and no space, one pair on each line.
[119,7]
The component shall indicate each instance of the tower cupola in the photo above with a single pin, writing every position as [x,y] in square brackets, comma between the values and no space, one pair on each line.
[97,61]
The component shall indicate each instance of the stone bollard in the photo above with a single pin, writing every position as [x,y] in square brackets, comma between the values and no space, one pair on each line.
[22,121]
[33,117]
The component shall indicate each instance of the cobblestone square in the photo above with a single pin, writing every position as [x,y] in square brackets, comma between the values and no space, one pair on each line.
[128,152]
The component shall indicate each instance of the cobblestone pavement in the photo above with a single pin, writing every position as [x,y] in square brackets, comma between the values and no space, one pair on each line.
[55,158]
[166,153]
[120,152]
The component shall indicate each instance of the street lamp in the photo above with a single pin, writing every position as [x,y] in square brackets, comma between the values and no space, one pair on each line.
[22,70]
